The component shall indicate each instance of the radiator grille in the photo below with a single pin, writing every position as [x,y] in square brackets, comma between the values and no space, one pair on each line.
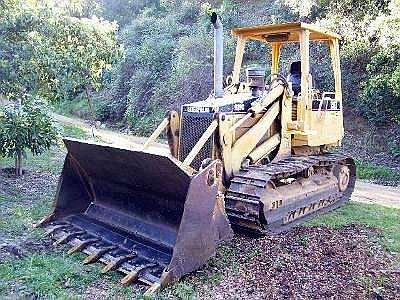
[192,128]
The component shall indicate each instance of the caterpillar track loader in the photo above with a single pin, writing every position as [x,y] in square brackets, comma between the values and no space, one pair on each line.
[254,155]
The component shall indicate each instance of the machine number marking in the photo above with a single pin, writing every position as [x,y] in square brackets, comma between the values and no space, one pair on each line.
[198,109]
[238,107]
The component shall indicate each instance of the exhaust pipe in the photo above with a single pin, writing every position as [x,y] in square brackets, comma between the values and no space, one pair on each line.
[218,55]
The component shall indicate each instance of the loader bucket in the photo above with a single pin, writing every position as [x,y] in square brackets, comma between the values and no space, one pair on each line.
[137,212]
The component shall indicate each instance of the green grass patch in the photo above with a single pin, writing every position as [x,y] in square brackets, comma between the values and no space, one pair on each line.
[77,132]
[56,275]
[366,170]
[47,276]
[74,132]
[51,161]
[180,290]
[386,219]
[20,218]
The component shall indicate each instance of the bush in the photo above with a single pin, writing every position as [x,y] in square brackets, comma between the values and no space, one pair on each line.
[26,126]
[381,92]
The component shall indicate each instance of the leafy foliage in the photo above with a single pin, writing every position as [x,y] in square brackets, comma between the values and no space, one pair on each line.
[380,97]
[381,92]
[370,52]
[59,51]
[168,59]
[26,127]
[45,51]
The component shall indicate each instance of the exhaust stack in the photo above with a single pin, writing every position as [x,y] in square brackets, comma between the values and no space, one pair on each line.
[218,55]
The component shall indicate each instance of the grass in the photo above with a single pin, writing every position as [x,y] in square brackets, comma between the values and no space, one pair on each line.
[56,275]
[366,170]
[385,219]
[74,132]
[21,218]
[47,275]
[46,162]
[77,107]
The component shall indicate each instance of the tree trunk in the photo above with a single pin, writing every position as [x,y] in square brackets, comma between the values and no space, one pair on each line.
[90,102]
[18,164]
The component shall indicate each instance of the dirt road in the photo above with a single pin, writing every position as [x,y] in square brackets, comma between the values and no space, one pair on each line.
[368,192]
[115,138]
[365,191]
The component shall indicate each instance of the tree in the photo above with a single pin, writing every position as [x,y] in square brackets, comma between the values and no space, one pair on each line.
[17,68]
[75,55]
[26,126]
[47,52]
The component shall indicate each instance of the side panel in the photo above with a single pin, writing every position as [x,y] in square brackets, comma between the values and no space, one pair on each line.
[326,125]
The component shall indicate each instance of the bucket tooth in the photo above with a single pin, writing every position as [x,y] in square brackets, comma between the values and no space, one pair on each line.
[154,288]
[56,228]
[82,245]
[66,238]
[134,274]
[113,265]
[95,256]
[44,220]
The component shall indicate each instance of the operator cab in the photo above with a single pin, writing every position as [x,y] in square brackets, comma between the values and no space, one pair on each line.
[312,110]
[299,76]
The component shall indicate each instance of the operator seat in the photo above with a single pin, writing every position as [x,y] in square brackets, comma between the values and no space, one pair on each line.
[295,77]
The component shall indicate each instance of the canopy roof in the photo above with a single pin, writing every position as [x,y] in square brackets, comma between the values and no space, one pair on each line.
[286,32]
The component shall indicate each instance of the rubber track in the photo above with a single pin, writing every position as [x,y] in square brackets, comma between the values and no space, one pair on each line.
[258,176]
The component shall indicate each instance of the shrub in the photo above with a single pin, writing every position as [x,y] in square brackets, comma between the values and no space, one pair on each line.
[26,126]
[381,92]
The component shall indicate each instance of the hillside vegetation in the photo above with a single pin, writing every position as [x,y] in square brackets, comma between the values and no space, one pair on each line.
[127,62]
[168,54]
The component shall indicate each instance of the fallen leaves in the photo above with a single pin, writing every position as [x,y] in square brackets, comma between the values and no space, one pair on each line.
[305,263]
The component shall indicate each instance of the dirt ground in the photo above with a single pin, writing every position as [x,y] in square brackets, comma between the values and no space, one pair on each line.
[305,263]
[372,193]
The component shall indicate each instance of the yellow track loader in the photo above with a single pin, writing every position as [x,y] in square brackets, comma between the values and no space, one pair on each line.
[254,155]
